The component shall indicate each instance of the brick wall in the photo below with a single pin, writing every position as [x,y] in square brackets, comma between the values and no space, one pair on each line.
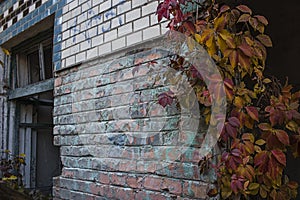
[93,28]
[116,141]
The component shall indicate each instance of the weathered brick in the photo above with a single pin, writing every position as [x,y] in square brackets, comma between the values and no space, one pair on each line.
[153,183]
[195,189]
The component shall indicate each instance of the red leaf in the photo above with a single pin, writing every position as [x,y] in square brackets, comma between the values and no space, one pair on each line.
[265,40]
[262,19]
[231,130]
[246,49]
[279,156]
[163,11]
[244,9]
[261,161]
[224,8]
[236,152]
[228,83]
[190,26]
[235,122]
[252,112]
[165,98]
[282,137]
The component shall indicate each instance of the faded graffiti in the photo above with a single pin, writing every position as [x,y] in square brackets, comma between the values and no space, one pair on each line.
[96,19]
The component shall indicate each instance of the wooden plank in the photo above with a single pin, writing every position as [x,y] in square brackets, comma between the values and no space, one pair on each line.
[33,158]
[36,125]
[32,89]
[41,62]
[28,119]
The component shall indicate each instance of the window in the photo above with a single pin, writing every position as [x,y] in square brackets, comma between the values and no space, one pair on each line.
[31,97]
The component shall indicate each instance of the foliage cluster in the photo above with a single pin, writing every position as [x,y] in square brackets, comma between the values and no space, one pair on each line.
[262,118]
[10,167]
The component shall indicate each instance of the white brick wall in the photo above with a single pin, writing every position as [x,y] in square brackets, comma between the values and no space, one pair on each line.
[94,28]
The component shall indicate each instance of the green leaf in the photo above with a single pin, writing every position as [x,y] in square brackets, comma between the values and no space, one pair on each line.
[265,40]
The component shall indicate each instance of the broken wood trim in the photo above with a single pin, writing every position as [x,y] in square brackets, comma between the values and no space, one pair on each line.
[32,89]
[36,125]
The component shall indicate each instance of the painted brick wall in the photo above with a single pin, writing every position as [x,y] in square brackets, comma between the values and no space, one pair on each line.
[101,119]
[93,28]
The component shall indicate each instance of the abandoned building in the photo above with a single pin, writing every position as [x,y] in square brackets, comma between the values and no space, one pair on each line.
[70,101]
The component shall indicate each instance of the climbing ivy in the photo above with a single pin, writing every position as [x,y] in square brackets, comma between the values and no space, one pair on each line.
[262,118]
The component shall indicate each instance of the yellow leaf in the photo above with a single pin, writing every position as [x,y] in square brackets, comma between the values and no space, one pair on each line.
[246,184]
[238,102]
[260,142]
[228,38]
[267,80]
[206,34]
[253,186]
[257,149]
[211,46]
[233,57]
[292,126]
[7,151]
[12,177]
[6,51]
[222,44]
[263,193]
[219,23]
[22,155]
[198,38]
